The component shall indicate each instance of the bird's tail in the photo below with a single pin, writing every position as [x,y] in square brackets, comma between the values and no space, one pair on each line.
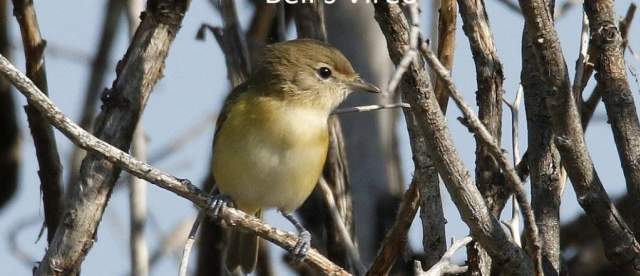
[242,250]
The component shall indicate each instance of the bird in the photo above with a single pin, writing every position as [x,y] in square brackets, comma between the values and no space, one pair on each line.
[272,137]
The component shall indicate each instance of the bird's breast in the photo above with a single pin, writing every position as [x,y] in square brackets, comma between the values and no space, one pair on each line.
[268,154]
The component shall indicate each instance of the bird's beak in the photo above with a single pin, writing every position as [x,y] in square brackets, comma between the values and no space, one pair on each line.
[359,84]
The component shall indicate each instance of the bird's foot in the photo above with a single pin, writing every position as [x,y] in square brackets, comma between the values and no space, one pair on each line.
[303,244]
[301,249]
[217,202]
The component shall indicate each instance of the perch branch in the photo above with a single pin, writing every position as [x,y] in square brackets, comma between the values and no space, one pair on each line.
[180,187]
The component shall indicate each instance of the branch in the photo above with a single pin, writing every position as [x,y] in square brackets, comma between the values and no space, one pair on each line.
[445,265]
[416,90]
[446,46]
[366,108]
[514,223]
[396,238]
[50,169]
[138,209]
[617,96]
[339,223]
[621,247]
[180,187]
[489,79]
[543,159]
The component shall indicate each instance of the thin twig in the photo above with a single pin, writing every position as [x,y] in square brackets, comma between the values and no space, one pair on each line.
[514,223]
[445,265]
[180,187]
[411,54]
[188,245]
[478,128]
[137,187]
[365,108]
[352,250]
[583,57]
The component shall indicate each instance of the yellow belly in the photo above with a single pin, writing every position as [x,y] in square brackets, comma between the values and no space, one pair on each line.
[268,155]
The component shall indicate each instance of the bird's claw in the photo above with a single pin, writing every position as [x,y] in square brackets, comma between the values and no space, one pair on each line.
[302,246]
[217,203]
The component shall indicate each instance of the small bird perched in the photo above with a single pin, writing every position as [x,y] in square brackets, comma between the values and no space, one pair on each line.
[272,138]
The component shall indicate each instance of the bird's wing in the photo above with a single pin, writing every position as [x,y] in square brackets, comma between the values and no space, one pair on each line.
[228,104]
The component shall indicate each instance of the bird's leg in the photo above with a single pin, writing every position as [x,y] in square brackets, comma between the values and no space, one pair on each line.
[304,238]
[216,203]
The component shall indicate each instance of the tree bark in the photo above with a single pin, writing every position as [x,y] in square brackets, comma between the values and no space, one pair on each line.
[616,94]
[543,159]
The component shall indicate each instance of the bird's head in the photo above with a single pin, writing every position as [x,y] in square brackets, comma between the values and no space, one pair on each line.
[309,72]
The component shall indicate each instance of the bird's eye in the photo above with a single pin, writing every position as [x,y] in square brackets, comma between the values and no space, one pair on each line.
[324,72]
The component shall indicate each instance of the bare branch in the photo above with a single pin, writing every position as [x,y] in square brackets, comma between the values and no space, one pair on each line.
[138,209]
[514,223]
[396,237]
[446,45]
[617,96]
[583,56]
[340,225]
[365,108]
[50,169]
[445,265]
